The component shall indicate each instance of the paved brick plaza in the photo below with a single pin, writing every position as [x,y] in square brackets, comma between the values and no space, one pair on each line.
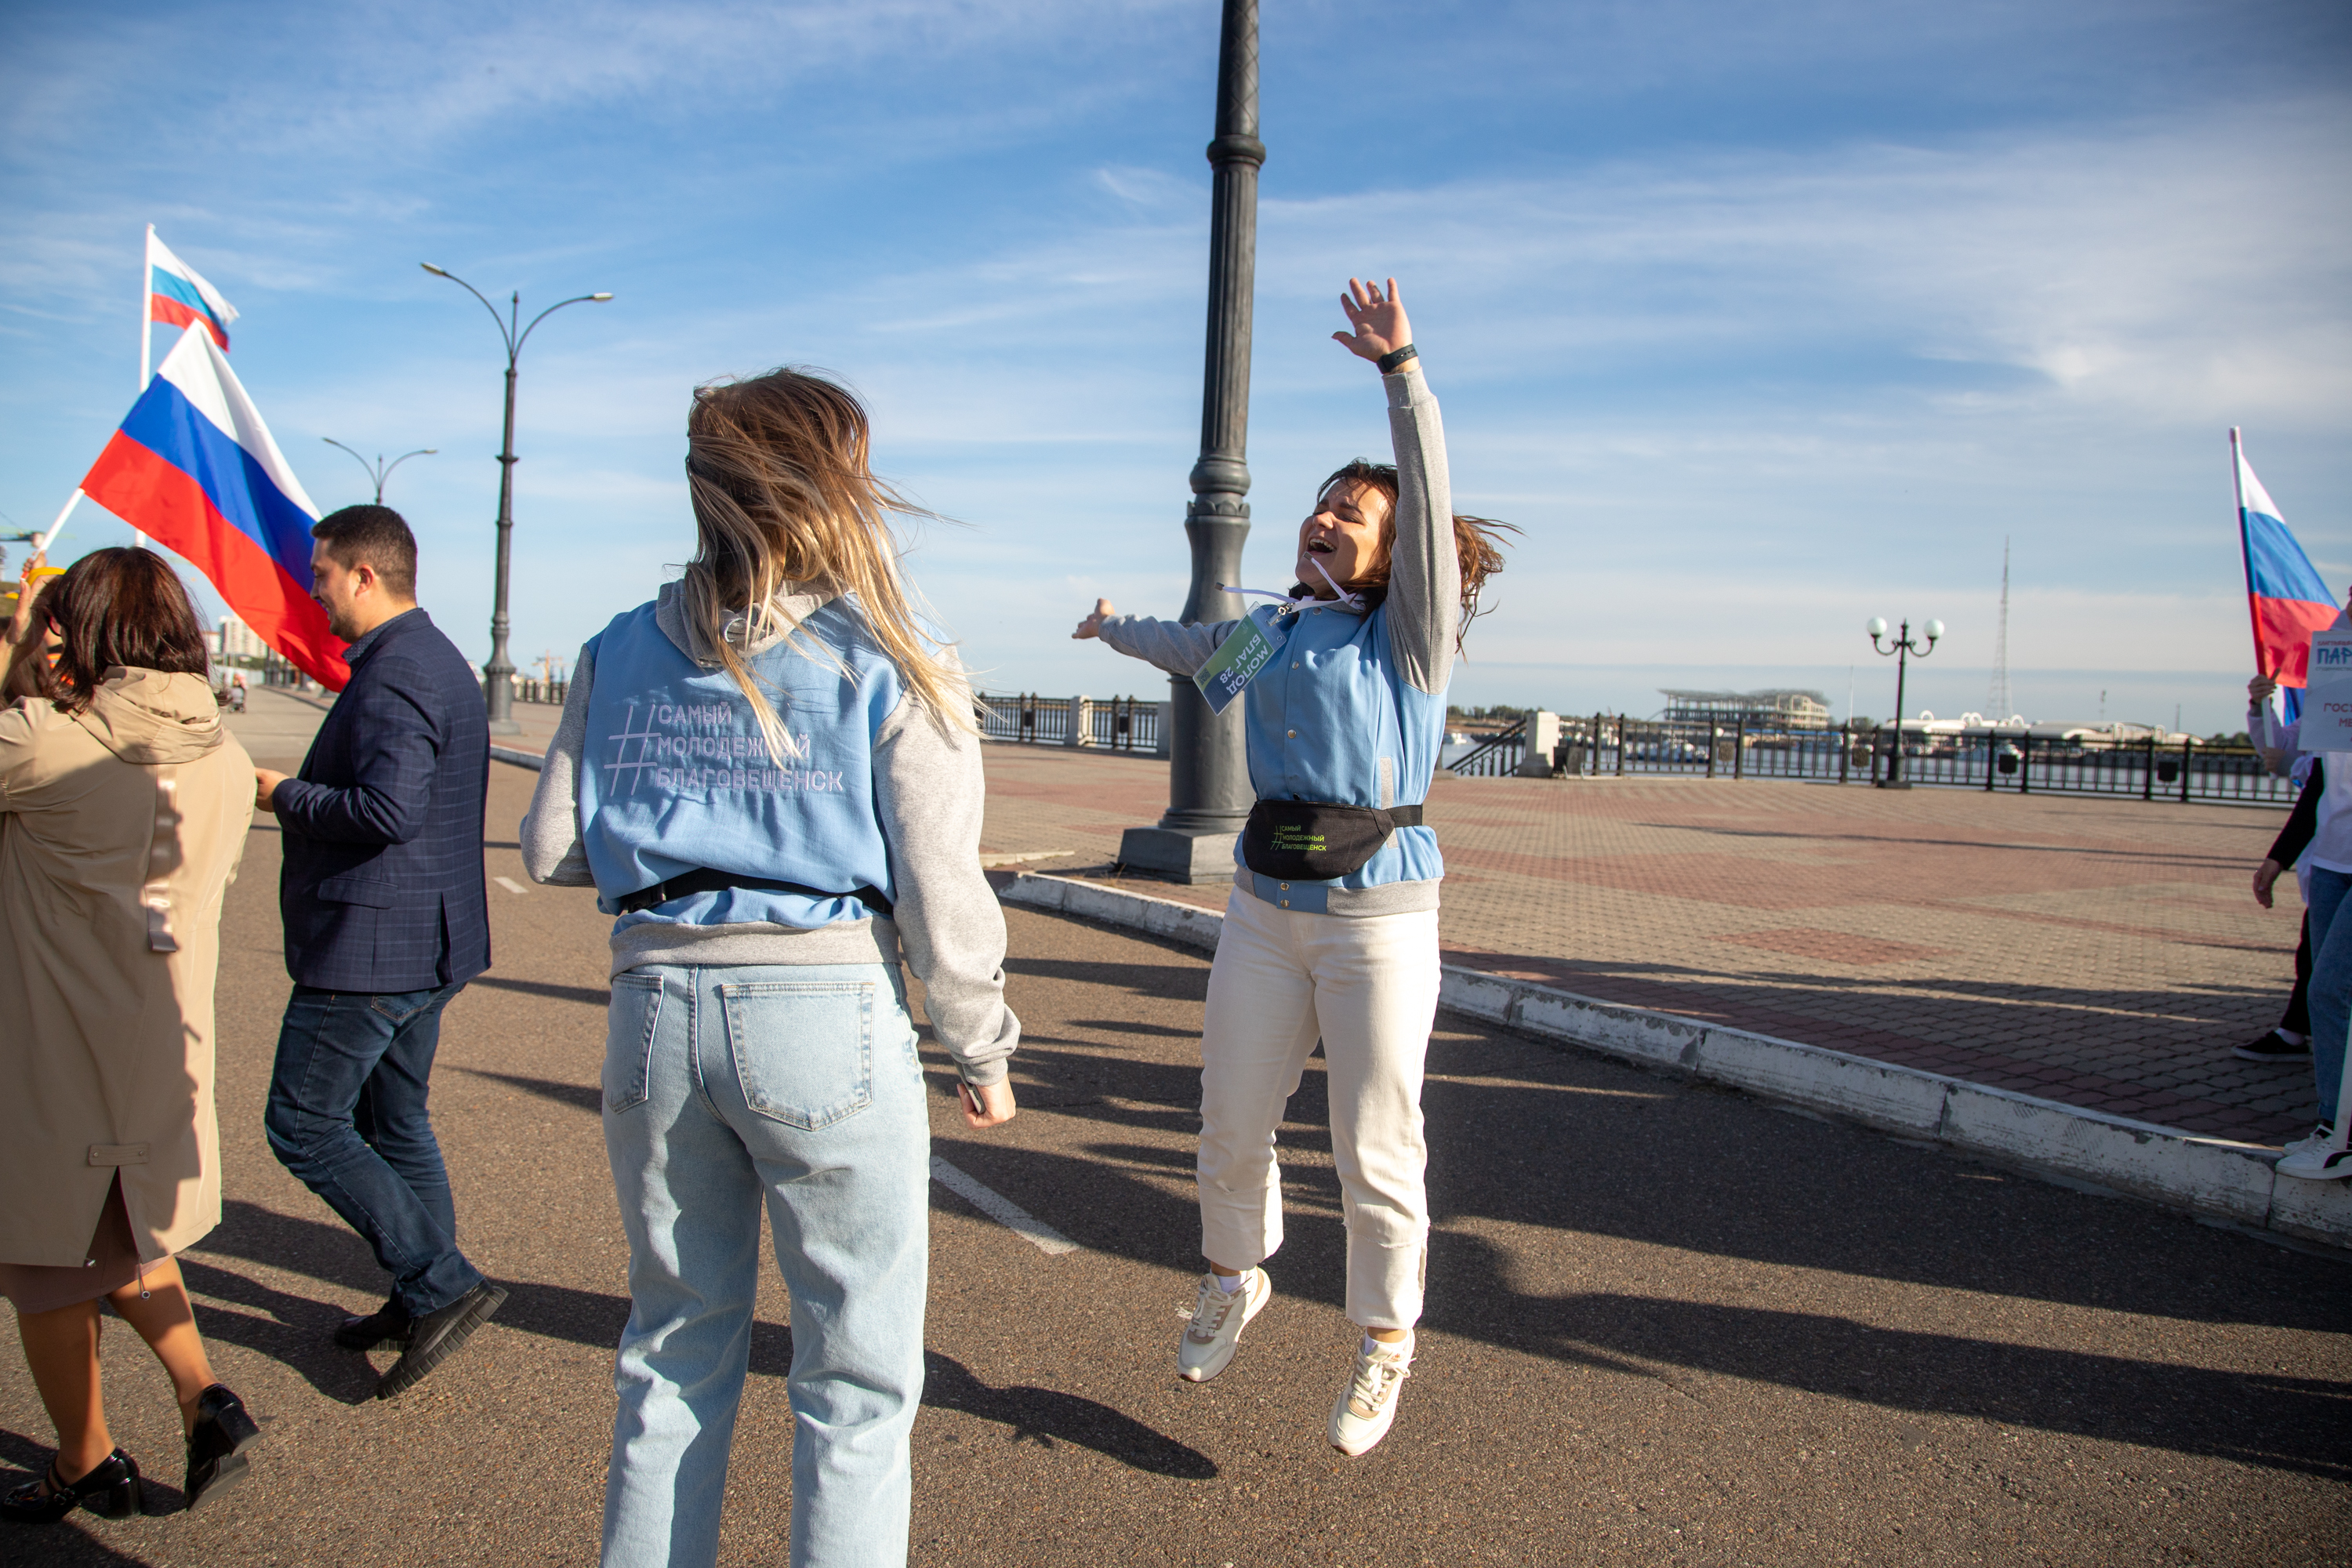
[2102,952]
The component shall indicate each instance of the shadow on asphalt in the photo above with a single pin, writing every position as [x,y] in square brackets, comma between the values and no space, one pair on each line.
[585,1096]
[1047,1416]
[1558,1140]
[294,1329]
[593,995]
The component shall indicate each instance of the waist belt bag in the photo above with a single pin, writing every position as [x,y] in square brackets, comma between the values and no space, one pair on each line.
[709,881]
[1313,841]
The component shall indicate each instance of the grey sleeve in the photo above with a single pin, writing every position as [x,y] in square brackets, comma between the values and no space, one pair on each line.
[1424,601]
[552,852]
[1175,648]
[928,792]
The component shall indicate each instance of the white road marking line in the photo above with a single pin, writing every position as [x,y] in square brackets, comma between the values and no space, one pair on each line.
[1002,1209]
[511,885]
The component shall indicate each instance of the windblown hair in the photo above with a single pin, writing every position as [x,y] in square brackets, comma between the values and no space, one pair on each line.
[784,497]
[121,609]
[1476,540]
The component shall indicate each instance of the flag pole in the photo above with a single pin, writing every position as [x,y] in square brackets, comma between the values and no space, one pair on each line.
[146,357]
[2245,547]
[41,546]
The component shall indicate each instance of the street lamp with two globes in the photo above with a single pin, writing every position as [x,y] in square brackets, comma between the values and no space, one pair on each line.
[1902,649]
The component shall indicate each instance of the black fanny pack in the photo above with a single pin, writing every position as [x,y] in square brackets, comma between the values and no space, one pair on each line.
[708,881]
[1314,841]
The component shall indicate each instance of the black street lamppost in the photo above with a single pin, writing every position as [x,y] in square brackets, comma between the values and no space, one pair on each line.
[1209,793]
[381,470]
[498,674]
[1904,649]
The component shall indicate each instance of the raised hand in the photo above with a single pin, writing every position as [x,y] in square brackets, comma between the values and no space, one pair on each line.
[1377,318]
[1092,625]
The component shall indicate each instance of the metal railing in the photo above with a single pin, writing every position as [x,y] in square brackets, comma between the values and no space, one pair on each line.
[548,691]
[2013,761]
[1110,724]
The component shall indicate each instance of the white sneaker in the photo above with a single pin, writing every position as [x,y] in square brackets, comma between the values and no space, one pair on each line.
[2311,1139]
[2317,1159]
[1367,1405]
[1218,1319]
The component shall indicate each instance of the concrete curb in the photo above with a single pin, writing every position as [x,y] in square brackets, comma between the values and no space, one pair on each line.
[2211,1176]
[520,759]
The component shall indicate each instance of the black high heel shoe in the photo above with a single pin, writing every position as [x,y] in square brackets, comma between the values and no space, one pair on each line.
[110,1490]
[217,1444]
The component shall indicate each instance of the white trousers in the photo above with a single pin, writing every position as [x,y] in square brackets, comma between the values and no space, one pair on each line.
[1368,988]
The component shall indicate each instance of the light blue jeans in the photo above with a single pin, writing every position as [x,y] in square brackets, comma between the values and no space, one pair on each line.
[799,1086]
[2331,985]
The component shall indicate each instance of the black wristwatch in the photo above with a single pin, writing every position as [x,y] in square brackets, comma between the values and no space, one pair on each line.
[1397,359]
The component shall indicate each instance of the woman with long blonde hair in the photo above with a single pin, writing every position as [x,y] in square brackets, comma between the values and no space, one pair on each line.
[770,775]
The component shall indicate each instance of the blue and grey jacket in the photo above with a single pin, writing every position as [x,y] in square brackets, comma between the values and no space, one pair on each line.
[660,768]
[1351,709]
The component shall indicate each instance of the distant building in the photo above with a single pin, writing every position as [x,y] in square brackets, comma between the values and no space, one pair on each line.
[1775,709]
[237,640]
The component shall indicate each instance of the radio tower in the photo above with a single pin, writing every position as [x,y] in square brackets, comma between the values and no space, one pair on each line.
[1999,700]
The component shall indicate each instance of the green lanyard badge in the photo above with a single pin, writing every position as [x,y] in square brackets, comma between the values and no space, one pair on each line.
[1238,662]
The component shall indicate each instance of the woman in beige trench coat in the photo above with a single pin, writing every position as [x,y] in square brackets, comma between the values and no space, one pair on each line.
[123,808]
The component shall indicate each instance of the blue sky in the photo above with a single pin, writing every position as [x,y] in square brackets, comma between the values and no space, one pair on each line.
[1759,320]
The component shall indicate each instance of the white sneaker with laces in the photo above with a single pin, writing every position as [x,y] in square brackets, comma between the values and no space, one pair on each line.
[2311,1139]
[1368,1404]
[1218,1319]
[2319,1159]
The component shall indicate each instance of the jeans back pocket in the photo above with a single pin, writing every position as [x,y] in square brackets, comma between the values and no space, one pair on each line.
[630,1020]
[804,1049]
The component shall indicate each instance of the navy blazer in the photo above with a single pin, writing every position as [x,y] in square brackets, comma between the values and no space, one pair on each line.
[382,886]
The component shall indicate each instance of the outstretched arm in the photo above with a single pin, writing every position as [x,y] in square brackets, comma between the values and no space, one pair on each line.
[1176,648]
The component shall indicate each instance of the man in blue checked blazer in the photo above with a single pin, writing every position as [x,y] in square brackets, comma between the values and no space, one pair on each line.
[385,920]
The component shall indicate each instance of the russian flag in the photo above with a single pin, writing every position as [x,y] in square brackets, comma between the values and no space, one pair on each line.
[194,468]
[2287,595]
[177,294]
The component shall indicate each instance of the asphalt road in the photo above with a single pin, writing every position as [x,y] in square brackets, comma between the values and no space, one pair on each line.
[1666,1323]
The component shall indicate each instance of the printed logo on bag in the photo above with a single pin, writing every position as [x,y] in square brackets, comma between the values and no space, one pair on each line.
[1293,837]
[695,746]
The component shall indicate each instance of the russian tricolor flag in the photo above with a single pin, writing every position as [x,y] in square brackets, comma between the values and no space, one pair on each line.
[2287,598]
[194,466]
[178,294]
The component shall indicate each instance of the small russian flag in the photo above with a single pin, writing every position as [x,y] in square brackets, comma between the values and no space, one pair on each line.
[2285,594]
[176,293]
[195,469]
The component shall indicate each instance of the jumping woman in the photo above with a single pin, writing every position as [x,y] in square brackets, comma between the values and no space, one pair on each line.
[1331,930]
[772,778]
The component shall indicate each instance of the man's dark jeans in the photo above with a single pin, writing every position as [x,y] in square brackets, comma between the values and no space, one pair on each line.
[346,1115]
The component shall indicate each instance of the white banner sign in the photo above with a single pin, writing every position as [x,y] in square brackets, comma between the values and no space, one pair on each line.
[2327,700]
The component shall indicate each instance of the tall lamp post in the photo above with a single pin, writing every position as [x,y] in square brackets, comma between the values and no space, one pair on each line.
[1903,650]
[498,674]
[381,470]
[1208,779]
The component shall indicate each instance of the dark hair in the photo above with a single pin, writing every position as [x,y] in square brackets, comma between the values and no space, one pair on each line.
[1475,538]
[29,662]
[373,536]
[121,609]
